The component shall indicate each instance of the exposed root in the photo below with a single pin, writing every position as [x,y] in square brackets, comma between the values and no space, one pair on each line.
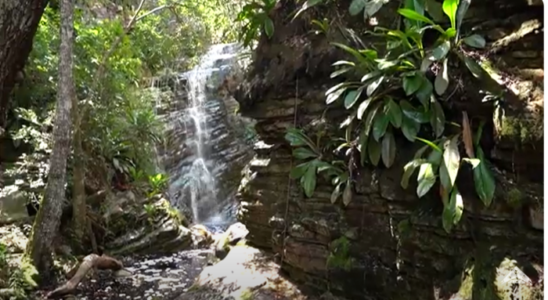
[92,261]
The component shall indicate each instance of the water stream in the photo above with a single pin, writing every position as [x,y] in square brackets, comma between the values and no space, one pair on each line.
[195,178]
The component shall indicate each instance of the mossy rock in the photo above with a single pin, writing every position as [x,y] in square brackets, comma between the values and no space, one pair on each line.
[487,277]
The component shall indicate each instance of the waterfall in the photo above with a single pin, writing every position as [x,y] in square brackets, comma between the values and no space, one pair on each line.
[202,148]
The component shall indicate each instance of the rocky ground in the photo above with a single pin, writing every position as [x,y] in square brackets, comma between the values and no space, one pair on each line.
[245,273]
[145,277]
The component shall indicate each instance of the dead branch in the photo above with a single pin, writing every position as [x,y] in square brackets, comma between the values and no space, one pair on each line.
[77,274]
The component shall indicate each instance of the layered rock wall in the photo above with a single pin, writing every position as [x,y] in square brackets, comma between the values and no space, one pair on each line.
[285,88]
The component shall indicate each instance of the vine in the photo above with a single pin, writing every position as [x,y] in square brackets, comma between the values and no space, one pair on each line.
[394,92]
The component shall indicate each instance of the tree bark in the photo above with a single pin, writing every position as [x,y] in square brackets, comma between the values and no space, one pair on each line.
[78,176]
[47,221]
[18,23]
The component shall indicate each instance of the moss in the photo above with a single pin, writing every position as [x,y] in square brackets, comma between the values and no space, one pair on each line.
[514,197]
[524,130]
[246,294]
[488,277]
[339,256]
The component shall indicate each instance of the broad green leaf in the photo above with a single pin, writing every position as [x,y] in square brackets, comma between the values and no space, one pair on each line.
[374,85]
[474,162]
[451,161]
[299,170]
[384,64]
[380,125]
[356,7]
[408,170]
[370,76]
[340,72]
[473,66]
[344,63]
[370,119]
[351,98]
[347,194]
[411,84]
[374,150]
[475,40]
[411,112]
[268,27]
[394,113]
[450,9]
[437,118]
[362,146]
[334,96]
[303,153]
[369,53]
[413,15]
[484,180]
[452,212]
[335,88]
[426,179]
[442,79]
[308,181]
[363,107]
[440,51]
[307,4]
[336,193]
[461,13]
[425,92]
[350,50]
[429,143]
[372,7]
[479,132]
[296,138]
[425,64]
[410,128]
[434,157]
[388,151]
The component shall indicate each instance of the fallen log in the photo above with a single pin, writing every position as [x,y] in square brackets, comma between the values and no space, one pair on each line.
[77,274]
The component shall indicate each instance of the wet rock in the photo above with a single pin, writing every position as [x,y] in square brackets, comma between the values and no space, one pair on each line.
[201,237]
[155,229]
[234,234]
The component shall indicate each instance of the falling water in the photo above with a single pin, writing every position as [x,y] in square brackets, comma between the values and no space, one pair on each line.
[197,173]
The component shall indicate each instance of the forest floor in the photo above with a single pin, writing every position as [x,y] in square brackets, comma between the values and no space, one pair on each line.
[245,273]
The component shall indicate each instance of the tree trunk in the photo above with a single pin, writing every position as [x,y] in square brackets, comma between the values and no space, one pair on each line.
[47,221]
[18,23]
[78,175]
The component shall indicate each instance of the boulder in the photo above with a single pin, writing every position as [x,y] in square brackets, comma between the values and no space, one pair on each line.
[13,204]
[201,237]
[234,234]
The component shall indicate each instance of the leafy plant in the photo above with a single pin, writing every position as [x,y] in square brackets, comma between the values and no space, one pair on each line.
[254,17]
[157,183]
[391,92]
[309,151]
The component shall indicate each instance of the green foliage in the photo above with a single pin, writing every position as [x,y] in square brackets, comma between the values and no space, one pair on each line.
[117,109]
[253,18]
[339,255]
[384,93]
[18,279]
[314,163]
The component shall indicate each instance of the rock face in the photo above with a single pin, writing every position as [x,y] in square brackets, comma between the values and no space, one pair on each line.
[156,229]
[222,136]
[396,244]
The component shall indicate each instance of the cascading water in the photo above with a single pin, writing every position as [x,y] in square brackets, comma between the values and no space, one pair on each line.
[203,150]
